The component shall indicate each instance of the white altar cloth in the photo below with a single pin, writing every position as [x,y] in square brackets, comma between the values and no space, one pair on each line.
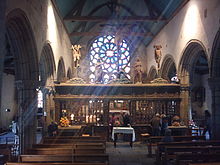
[123,130]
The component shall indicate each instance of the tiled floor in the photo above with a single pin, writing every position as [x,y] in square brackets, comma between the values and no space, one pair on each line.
[123,154]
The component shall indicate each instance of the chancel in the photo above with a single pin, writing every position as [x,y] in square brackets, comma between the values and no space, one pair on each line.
[105,82]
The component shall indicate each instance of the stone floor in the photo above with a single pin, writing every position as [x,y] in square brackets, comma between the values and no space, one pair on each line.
[123,154]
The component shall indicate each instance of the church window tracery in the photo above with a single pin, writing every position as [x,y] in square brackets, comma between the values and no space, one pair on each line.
[113,58]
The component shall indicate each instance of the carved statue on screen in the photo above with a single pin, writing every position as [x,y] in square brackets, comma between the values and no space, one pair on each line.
[158,54]
[76,54]
[138,70]
[99,74]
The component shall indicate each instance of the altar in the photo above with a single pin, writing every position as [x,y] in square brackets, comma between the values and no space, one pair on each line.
[123,130]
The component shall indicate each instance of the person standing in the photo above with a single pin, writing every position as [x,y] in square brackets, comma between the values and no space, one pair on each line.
[156,125]
[126,120]
[207,126]
[164,124]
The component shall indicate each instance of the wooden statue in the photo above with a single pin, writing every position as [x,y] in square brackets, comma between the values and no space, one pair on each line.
[76,54]
[158,54]
[138,71]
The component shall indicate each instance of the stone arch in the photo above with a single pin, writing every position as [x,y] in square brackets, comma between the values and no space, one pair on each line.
[26,73]
[69,74]
[22,39]
[215,86]
[193,71]
[47,64]
[168,67]
[61,72]
[215,57]
[188,59]
[152,73]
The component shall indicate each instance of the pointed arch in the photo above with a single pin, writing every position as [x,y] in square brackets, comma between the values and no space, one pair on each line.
[215,57]
[168,67]
[61,72]
[69,73]
[26,73]
[21,38]
[47,64]
[215,85]
[191,53]
[152,73]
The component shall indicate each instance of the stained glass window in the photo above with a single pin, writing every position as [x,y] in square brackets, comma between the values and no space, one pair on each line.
[111,57]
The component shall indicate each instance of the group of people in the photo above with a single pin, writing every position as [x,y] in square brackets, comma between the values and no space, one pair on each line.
[160,123]
[121,119]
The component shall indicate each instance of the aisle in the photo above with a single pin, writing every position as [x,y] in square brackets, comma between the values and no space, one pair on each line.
[124,154]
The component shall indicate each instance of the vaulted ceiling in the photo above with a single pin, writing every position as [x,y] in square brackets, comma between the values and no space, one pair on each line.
[138,20]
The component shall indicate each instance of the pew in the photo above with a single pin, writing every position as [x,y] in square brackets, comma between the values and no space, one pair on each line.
[65,158]
[5,151]
[210,163]
[63,141]
[73,137]
[161,146]
[155,139]
[173,151]
[65,151]
[21,163]
[74,145]
[185,158]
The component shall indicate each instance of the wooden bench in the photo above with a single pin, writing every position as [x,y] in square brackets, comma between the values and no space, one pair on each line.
[160,152]
[172,151]
[186,158]
[73,137]
[6,152]
[21,163]
[63,141]
[156,139]
[65,151]
[65,158]
[74,145]
[210,163]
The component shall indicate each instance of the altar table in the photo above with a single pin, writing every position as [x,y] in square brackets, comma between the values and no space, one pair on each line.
[123,130]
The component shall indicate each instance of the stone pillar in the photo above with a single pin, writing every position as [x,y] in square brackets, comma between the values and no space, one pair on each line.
[214,84]
[184,104]
[20,88]
[132,106]
[57,110]
[2,44]
[106,111]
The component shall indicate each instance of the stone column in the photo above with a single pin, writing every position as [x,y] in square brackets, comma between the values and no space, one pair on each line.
[184,104]
[106,111]
[20,88]
[2,44]
[57,110]
[132,106]
[214,84]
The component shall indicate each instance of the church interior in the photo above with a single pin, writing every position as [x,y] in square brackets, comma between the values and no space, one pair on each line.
[83,82]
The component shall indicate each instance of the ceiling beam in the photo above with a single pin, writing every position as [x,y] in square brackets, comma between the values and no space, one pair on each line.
[77,8]
[77,34]
[101,19]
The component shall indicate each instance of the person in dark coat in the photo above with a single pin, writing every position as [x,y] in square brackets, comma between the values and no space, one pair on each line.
[156,125]
[126,119]
[50,129]
[207,126]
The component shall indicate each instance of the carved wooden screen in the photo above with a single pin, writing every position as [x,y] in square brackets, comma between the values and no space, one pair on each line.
[146,109]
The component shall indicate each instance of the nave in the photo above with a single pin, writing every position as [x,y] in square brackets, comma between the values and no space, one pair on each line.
[87,149]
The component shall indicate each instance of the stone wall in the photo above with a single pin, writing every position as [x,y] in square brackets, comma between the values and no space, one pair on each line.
[47,28]
[198,20]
